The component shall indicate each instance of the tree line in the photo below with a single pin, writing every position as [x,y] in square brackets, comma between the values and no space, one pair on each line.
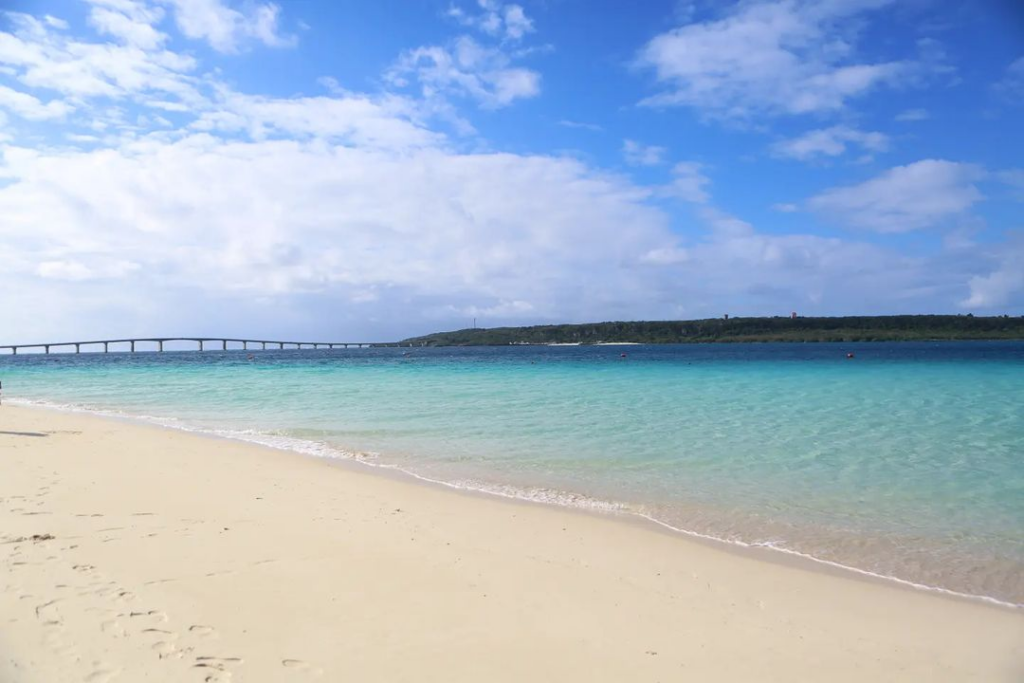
[777,329]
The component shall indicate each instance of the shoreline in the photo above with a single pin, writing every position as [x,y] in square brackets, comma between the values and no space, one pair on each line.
[599,507]
[188,558]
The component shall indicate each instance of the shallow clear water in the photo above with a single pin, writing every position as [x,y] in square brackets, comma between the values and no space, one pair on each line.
[907,461]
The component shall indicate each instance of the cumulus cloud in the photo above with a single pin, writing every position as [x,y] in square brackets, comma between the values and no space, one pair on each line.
[689,183]
[637,154]
[997,287]
[131,22]
[920,195]
[769,58]
[830,142]
[227,29]
[466,68]
[283,218]
[495,18]
[30,107]
[351,118]
[40,57]
[246,211]
[480,68]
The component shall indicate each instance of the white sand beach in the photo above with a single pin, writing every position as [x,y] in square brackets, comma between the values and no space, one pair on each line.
[130,553]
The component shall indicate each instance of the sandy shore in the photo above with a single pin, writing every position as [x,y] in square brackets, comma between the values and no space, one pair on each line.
[134,553]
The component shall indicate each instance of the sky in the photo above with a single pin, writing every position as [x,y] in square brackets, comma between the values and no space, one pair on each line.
[371,170]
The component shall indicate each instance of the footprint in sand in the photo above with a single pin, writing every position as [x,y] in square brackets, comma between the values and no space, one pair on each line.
[48,613]
[102,675]
[166,648]
[216,669]
[203,631]
[301,666]
[113,628]
[148,619]
[55,641]
[165,642]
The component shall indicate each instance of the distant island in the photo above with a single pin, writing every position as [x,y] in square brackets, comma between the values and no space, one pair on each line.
[777,329]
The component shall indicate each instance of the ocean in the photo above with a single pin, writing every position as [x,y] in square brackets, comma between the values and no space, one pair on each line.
[906,461]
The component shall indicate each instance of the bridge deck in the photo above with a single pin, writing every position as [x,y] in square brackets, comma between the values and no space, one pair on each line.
[200,341]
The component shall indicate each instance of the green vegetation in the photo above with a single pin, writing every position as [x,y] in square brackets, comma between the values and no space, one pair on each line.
[858,328]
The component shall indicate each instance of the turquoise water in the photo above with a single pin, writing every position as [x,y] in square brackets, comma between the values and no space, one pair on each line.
[907,461]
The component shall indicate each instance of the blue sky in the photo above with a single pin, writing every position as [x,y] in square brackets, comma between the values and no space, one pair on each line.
[373,170]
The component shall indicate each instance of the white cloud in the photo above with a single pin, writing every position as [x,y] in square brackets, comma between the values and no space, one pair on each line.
[785,208]
[920,195]
[997,287]
[768,58]
[503,309]
[581,125]
[429,236]
[666,256]
[465,68]
[829,142]
[76,271]
[256,212]
[495,18]
[131,22]
[637,154]
[227,29]
[381,122]
[517,24]
[80,71]
[280,218]
[689,183]
[56,23]
[913,115]
[30,107]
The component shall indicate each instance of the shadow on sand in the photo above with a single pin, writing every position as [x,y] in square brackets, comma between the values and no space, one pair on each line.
[22,433]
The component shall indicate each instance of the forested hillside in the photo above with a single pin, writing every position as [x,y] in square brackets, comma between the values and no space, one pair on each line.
[857,328]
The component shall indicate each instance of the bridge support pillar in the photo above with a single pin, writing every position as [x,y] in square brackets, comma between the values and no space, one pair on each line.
[264,345]
[224,344]
[78,348]
[200,342]
[47,347]
[106,347]
[245,346]
[14,350]
[133,345]
[160,346]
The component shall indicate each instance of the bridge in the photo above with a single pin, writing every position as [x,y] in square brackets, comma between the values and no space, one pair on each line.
[261,344]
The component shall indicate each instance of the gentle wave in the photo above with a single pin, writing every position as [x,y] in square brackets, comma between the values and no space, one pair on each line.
[539,495]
